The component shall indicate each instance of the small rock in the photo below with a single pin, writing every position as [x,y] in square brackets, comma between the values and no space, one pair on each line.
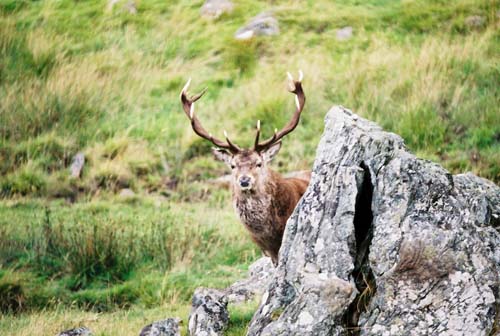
[344,33]
[127,193]
[81,331]
[475,21]
[209,315]
[111,4]
[77,165]
[213,9]
[262,24]
[131,7]
[259,276]
[168,327]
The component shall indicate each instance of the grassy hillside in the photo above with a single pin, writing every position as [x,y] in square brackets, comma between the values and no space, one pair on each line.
[76,76]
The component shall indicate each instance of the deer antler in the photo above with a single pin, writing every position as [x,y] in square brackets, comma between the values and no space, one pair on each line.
[188,105]
[300,100]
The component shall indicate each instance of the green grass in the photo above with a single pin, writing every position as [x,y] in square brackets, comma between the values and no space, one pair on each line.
[77,77]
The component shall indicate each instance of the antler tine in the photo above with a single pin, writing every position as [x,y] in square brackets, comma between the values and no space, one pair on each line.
[257,135]
[300,100]
[188,106]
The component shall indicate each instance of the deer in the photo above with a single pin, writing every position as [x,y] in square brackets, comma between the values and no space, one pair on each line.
[263,199]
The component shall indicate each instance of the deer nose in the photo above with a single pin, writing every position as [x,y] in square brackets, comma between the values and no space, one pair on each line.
[244,181]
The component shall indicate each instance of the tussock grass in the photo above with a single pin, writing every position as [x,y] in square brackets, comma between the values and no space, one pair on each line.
[94,255]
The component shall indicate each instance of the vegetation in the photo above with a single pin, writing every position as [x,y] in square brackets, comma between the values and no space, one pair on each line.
[80,77]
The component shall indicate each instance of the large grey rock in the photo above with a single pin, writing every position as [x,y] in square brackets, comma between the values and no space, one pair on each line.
[384,243]
[167,327]
[213,9]
[259,276]
[209,315]
[262,24]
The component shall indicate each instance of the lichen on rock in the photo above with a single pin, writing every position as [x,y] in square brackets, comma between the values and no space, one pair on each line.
[385,243]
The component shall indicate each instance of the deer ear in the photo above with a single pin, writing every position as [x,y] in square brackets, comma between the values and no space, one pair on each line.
[222,155]
[269,153]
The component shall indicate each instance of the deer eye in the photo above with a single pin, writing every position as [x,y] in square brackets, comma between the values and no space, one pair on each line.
[233,166]
[259,164]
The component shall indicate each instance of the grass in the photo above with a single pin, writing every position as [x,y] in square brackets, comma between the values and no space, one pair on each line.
[80,77]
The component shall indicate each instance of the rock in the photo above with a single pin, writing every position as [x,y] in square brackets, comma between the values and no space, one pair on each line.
[168,327]
[475,21]
[77,165]
[344,33]
[213,9]
[259,276]
[81,331]
[384,243]
[262,24]
[127,193]
[111,4]
[209,315]
[130,7]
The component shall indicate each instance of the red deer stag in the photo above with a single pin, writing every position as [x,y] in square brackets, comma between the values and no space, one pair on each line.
[262,198]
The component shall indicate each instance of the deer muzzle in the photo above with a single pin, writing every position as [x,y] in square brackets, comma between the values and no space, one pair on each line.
[245,182]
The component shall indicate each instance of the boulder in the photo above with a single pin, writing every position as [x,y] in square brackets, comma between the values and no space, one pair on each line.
[209,315]
[262,24]
[168,327]
[385,243]
[213,9]
[259,276]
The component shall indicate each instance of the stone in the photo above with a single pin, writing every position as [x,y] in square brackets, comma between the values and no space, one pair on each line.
[475,21]
[130,6]
[385,243]
[81,331]
[168,327]
[213,9]
[111,4]
[209,315]
[77,165]
[127,193]
[259,276]
[263,24]
[344,33]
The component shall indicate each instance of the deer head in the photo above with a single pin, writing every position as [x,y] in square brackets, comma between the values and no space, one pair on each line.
[249,166]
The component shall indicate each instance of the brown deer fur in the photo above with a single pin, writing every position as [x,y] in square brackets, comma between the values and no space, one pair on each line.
[263,199]
[266,217]
[265,207]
